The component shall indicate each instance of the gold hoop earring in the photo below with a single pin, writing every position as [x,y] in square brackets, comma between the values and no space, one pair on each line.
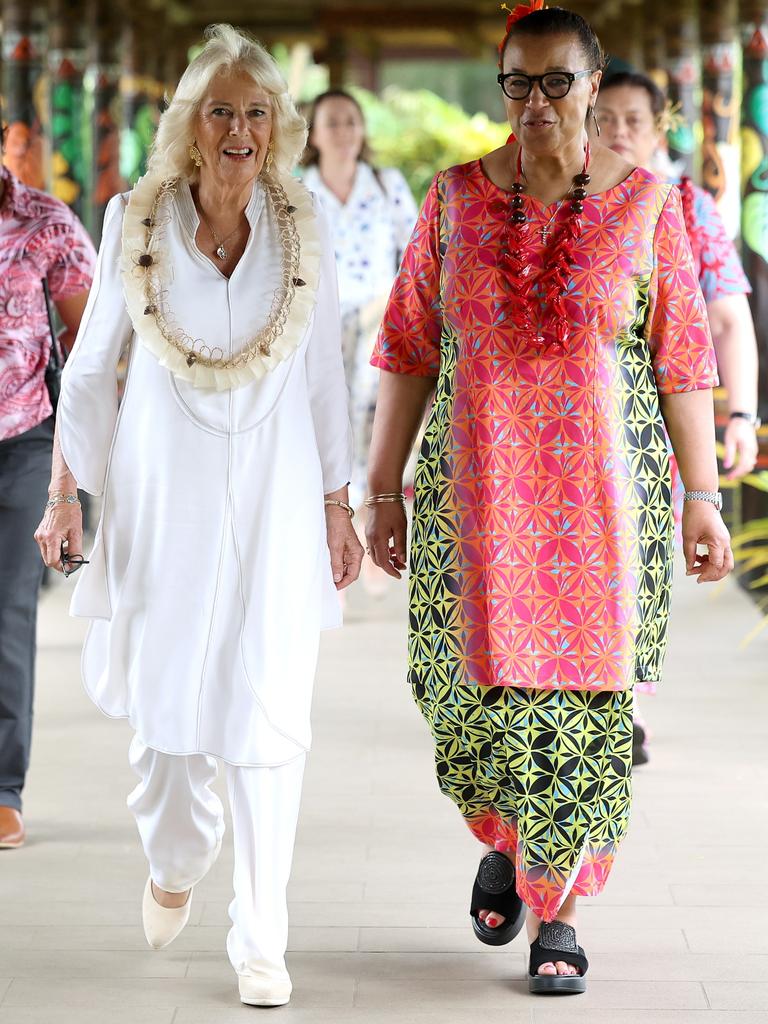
[270,160]
[597,123]
[195,155]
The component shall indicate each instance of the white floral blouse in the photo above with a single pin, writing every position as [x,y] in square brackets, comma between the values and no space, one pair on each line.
[370,230]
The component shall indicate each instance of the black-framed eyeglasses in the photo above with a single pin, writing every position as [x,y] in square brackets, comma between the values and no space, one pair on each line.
[554,85]
[71,563]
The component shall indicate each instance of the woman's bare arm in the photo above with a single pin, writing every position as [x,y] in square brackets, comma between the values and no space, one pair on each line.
[690,422]
[400,407]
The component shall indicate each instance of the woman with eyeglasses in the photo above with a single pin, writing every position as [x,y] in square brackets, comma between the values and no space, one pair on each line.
[548,303]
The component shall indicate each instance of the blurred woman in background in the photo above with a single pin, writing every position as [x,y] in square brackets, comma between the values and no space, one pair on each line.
[633,113]
[372,214]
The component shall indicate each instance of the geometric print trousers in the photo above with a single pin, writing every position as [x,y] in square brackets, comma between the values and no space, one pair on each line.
[542,775]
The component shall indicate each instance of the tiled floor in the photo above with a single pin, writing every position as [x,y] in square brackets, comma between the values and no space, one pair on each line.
[383,868]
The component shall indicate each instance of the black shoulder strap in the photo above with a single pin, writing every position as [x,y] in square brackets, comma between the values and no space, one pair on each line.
[55,358]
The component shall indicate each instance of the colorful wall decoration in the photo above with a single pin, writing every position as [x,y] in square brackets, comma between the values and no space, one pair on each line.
[102,82]
[754,168]
[69,172]
[24,105]
[140,103]
[720,149]
[683,79]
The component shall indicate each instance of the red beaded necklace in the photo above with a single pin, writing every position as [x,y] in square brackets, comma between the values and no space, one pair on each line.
[537,301]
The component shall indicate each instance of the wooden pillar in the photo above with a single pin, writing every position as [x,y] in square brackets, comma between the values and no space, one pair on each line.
[335,56]
[102,81]
[139,92]
[683,69]
[623,38]
[720,172]
[754,167]
[23,46]
[655,50]
[66,66]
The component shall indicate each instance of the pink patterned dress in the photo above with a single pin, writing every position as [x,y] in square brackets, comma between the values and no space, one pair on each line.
[542,534]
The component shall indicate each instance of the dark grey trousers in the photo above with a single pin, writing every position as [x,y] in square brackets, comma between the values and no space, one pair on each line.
[25,469]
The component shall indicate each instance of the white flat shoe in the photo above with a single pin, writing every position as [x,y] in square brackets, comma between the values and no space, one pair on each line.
[264,991]
[162,924]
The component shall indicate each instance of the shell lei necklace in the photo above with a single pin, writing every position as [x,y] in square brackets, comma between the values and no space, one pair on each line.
[147,270]
[537,301]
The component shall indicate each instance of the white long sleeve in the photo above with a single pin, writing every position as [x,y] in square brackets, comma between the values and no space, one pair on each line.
[87,410]
[328,395]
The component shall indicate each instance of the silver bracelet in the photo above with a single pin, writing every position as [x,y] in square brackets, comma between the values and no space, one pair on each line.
[62,499]
[341,504]
[713,497]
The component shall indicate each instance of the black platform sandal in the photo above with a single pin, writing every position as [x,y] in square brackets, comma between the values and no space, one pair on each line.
[556,941]
[494,889]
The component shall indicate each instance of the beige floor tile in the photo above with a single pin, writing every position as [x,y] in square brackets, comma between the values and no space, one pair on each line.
[720,895]
[726,939]
[331,940]
[581,1015]
[64,1015]
[403,966]
[298,1013]
[96,963]
[743,995]
[110,994]
[500,995]
[653,967]
[121,938]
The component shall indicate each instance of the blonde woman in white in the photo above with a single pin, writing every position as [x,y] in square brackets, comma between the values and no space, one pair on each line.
[225,533]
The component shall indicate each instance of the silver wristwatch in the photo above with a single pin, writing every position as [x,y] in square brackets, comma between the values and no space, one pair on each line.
[751,417]
[714,497]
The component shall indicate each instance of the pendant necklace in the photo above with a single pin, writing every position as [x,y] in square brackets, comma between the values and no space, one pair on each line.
[221,252]
[537,300]
[546,230]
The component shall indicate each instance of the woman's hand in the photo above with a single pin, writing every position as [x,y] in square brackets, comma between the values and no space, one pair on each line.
[702,524]
[386,531]
[740,448]
[346,550]
[62,524]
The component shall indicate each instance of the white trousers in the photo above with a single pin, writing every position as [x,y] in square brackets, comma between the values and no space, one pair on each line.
[181,824]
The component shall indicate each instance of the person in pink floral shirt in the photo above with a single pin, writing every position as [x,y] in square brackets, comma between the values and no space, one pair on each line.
[40,238]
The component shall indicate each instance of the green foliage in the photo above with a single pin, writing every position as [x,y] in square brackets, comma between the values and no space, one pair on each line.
[420,133]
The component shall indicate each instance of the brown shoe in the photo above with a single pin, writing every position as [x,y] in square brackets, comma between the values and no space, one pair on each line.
[11,829]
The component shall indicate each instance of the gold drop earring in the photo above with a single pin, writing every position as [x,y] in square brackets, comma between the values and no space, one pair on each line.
[269,162]
[195,155]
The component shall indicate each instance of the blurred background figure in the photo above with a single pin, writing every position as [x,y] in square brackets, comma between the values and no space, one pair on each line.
[634,116]
[372,214]
[40,239]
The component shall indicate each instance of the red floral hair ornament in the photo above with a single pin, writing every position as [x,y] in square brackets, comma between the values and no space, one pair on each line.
[514,15]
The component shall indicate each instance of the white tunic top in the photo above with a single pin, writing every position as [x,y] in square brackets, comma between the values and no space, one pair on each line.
[370,230]
[210,577]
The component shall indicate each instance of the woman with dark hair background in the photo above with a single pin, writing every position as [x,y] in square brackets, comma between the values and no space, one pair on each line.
[372,214]
[549,303]
[633,114]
